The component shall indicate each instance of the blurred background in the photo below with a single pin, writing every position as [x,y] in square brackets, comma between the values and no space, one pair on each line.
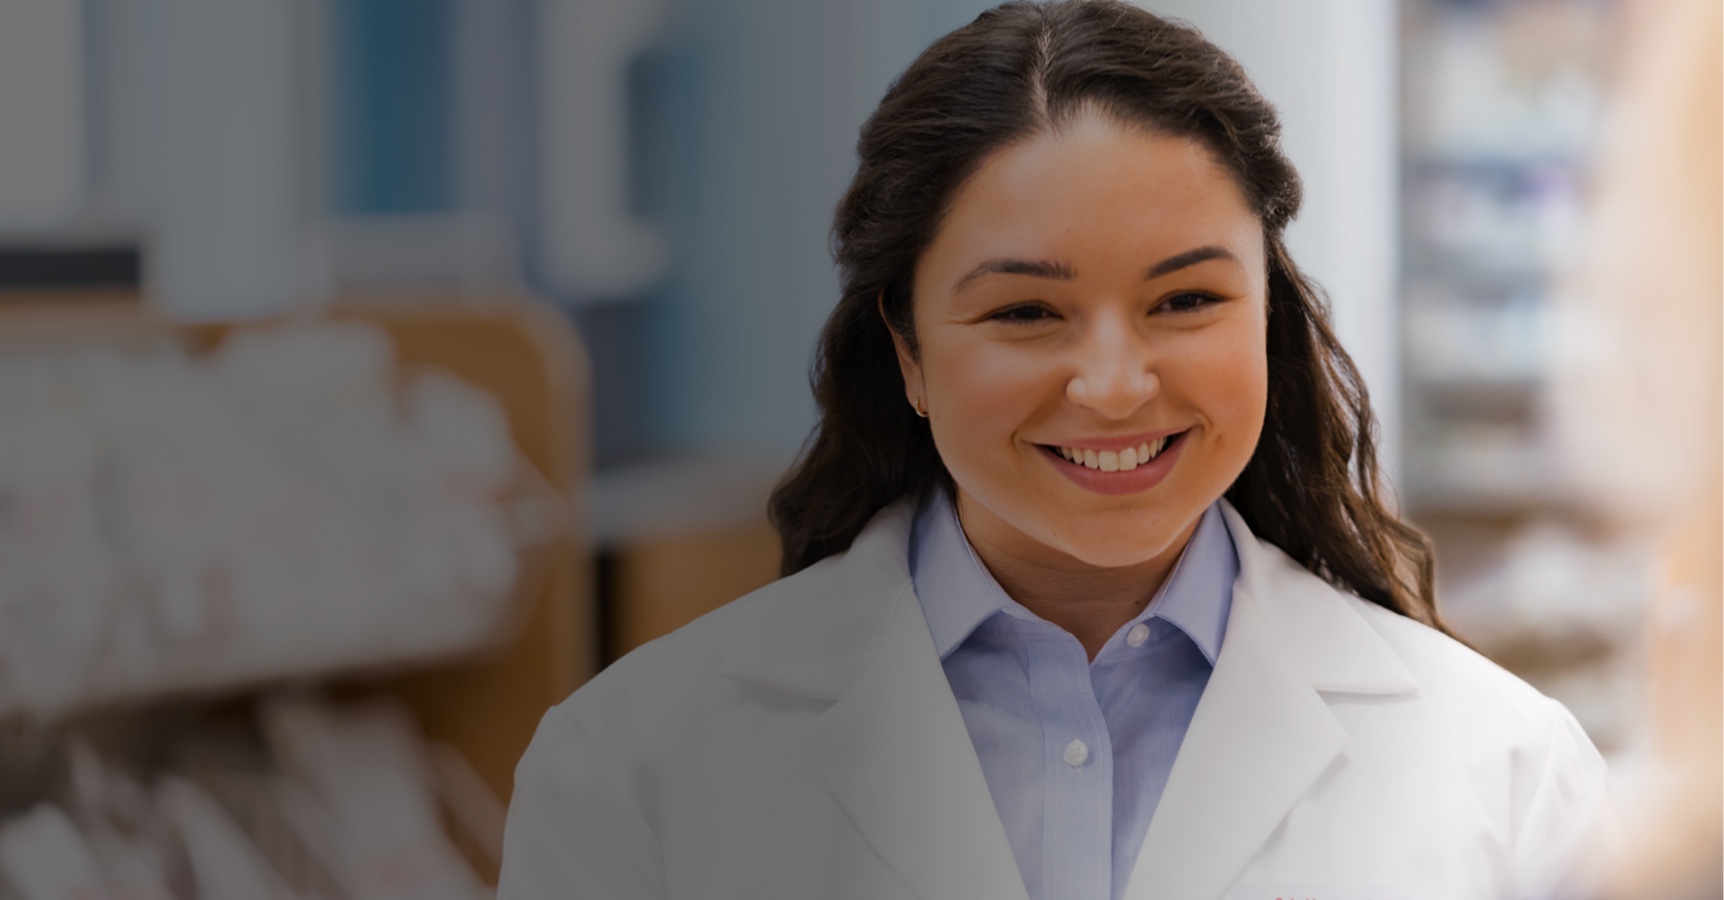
[374,371]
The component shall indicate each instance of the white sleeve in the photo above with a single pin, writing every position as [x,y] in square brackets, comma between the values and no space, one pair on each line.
[1568,817]
[573,831]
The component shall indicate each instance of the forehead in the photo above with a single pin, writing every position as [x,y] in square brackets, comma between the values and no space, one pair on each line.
[1096,189]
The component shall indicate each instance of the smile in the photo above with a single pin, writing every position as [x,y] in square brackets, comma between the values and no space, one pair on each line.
[1110,461]
[1125,470]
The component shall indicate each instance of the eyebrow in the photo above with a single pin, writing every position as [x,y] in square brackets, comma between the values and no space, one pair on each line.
[1039,268]
[1187,259]
[1064,271]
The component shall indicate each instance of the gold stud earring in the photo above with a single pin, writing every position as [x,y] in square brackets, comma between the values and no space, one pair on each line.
[920,411]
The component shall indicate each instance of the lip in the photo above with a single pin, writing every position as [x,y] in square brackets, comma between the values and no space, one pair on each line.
[1142,478]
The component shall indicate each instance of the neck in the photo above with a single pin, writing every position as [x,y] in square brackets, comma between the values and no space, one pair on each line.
[1090,602]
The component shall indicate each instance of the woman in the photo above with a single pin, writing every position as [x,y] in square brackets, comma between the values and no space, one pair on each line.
[1092,592]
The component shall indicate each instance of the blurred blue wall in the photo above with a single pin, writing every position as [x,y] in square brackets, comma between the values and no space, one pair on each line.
[394,145]
[770,95]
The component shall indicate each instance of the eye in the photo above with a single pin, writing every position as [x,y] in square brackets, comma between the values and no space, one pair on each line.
[1022,313]
[1187,302]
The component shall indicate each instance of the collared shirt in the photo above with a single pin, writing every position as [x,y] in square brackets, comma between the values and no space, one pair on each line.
[1075,753]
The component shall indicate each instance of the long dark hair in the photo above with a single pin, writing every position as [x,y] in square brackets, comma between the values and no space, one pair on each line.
[1313,486]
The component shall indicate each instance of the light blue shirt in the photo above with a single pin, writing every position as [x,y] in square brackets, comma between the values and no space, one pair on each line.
[1075,753]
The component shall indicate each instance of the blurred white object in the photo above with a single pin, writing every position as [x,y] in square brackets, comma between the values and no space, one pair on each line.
[323,836]
[224,862]
[215,129]
[118,818]
[470,801]
[342,803]
[283,507]
[44,857]
[368,766]
[134,869]
[42,147]
[592,245]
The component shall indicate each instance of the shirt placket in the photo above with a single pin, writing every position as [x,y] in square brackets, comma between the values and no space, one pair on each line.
[1077,810]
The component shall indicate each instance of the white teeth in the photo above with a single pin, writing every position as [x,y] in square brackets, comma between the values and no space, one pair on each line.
[1112,461]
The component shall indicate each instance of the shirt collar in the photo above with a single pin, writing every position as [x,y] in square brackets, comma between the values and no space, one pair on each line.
[958,593]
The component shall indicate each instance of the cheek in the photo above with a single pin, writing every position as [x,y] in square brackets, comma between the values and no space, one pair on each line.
[981,393]
[1228,379]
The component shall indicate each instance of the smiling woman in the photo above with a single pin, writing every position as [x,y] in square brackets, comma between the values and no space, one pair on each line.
[1092,591]
[1046,366]
[1107,131]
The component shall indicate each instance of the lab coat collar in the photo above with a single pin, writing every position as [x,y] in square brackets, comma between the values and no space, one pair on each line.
[824,625]
[895,751]
[1315,626]
[898,756]
[893,747]
[1263,733]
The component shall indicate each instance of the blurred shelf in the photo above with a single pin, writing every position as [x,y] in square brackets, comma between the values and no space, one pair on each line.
[1500,105]
[1481,502]
[484,686]
[1449,162]
[1462,278]
[430,632]
[1448,397]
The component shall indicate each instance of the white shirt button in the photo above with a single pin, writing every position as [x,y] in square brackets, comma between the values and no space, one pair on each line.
[1137,635]
[1076,753]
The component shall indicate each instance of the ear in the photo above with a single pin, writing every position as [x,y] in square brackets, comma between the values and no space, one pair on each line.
[914,389]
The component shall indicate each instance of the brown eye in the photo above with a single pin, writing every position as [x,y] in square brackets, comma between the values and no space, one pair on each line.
[1027,312]
[1187,302]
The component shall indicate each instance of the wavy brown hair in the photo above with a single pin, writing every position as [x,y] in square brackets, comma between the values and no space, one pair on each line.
[1313,486]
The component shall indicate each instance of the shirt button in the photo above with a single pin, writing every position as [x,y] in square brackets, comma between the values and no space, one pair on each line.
[1076,753]
[1137,635]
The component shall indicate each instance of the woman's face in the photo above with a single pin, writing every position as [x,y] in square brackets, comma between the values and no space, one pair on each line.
[1097,293]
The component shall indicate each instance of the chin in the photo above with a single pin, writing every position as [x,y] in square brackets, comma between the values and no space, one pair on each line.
[1121,547]
[1113,557]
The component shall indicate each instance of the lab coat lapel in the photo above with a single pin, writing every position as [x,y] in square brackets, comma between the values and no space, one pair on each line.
[1262,732]
[898,757]
[1260,736]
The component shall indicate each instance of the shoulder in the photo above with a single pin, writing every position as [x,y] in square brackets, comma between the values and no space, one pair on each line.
[1351,644]
[1496,726]
[646,744]
[1448,668]
[1493,704]
[801,633]
[680,668]
[1556,784]
[806,635]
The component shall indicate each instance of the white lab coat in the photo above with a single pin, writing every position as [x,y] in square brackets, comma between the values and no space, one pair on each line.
[802,742]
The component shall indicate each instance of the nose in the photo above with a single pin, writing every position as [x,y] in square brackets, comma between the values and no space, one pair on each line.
[1115,373]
